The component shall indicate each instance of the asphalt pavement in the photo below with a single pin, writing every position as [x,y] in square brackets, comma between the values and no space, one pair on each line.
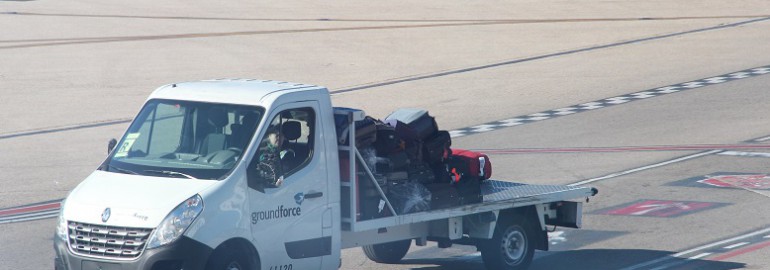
[661,105]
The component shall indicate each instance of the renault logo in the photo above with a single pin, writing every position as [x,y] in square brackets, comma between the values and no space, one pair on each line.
[106,214]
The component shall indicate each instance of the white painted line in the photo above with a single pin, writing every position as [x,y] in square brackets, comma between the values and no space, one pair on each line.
[644,265]
[736,245]
[666,266]
[645,167]
[699,256]
[29,218]
[745,154]
[677,263]
[767,236]
[763,139]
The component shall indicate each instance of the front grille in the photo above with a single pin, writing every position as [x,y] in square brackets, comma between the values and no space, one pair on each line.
[107,241]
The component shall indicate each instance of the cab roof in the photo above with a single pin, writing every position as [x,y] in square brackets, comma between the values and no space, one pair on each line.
[231,91]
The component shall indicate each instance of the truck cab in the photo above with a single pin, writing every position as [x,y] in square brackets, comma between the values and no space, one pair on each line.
[215,174]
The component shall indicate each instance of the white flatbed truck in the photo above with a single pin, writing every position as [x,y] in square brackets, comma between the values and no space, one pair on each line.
[185,188]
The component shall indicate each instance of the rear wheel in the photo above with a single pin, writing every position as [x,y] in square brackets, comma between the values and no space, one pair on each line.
[391,252]
[511,248]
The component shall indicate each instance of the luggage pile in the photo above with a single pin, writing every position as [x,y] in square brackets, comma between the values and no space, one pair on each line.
[414,165]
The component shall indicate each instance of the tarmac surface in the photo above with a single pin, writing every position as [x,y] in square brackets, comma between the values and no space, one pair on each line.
[661,105]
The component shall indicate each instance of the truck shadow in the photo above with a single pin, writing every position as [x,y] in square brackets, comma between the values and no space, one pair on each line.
[596,259]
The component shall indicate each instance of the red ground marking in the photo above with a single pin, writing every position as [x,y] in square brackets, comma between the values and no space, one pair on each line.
[623,148]
[741,251]
[658,208]
[755,181]
[31,208]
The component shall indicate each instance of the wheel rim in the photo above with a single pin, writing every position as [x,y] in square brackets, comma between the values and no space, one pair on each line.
[233,266]
[513,246]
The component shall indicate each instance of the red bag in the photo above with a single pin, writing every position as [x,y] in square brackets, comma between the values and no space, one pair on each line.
[477,164]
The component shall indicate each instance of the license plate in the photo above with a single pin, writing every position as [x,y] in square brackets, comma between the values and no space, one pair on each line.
[91,265]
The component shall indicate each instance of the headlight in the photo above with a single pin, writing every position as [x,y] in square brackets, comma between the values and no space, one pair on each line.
[177,222]
[61,228]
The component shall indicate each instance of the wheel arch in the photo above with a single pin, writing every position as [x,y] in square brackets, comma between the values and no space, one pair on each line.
[239,245]
[530,220]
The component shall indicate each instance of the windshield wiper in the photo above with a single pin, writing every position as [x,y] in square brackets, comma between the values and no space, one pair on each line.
[124,170]
[171,173]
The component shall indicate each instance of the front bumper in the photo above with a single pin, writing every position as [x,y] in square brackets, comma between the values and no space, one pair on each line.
[184,253]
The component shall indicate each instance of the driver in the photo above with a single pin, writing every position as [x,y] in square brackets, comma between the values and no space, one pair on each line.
[270,158]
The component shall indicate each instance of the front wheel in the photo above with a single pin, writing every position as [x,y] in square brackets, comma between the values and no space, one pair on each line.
[228,261]
[511,248]
[391,252]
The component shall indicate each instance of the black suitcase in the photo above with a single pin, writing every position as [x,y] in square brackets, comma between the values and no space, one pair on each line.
[436,148]
[419,121]
[391,163]
[407,138]
[398,161]
[441,171]
[413,150]
[388,142]
[467,184]
[397,177]
[403,131]
[443,195]
[382,166]
[366,131]
[421,174]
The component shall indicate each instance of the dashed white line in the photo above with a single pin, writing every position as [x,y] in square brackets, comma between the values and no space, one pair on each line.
[608,102]
[739,75]
[715,80]
[699,256]
[736,245]
[682,262]
[482,128]
[644,265]
[692,85]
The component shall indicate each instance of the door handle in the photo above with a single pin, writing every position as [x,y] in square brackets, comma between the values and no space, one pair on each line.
[314,195]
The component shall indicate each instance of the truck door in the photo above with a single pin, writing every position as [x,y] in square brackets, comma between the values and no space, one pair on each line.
[288,189]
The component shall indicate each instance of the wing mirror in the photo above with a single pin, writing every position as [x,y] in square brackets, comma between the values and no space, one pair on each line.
[111,145]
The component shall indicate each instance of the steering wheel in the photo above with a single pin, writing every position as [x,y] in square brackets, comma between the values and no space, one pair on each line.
[287,151]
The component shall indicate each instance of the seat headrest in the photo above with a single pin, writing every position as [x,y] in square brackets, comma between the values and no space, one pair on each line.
[236,128]
[218,117]
[249,120]
[291,130]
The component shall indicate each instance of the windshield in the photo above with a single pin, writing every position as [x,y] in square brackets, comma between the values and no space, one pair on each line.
[185,139]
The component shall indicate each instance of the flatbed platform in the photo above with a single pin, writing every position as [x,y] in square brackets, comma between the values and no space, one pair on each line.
[498,195]
[496,190]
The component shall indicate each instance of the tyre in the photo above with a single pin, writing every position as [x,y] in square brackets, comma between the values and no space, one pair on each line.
[228,260]
[391,252]
[512,246]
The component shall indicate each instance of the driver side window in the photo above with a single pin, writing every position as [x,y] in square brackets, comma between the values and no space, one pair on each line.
[286,147]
